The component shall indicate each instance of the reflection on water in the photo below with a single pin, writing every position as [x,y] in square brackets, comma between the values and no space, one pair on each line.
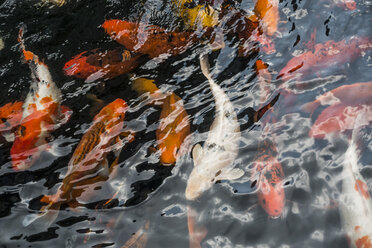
[166,166]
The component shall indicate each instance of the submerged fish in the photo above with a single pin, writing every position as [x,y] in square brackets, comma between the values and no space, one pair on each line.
[213,161]
[326,55]
[148,39]
[89,165]
[267,13]
[1,44]
[97,64]
[59,3]
[174,124]
[270,192]
[355,201]
[346,4]
[42,113]
[346,102]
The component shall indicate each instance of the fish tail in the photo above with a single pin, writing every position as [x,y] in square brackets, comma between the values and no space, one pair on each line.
[47,214]
[28,56]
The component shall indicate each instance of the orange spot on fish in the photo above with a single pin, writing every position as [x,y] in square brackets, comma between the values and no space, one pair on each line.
[364,242]
[362,188]
[356,228]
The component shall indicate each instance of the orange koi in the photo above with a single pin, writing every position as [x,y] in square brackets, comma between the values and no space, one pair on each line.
[346,4]
[325,55]
[89,163]
[174,124]
[42,113]
[343,109]
[148,39]
[97,64]
[267,13]
[270,193]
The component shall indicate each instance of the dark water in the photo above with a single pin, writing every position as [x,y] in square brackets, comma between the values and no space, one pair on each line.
[147,190]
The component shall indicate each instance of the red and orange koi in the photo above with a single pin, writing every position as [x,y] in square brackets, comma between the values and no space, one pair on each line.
[271,195]
[325,55]
[346,4]
[148,39]
[174,124]
[89,164]
[343,109]
[98,64]
[42,113]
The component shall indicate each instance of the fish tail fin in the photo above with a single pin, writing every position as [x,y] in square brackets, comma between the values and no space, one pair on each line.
[144,85]
[47,214]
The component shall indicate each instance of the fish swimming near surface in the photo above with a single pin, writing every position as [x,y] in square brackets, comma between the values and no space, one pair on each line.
[98,64]
[213,161]
[346,102]
[148,39]
[1,44]
[89,165]
[326,55]
[58,3]
[355,201]
[174,124]
[42,113]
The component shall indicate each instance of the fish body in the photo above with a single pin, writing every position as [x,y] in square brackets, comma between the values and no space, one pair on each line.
[139,239]
[10,115]
[355,202]
[102,64]
[213,161]
[343,110]
[174,124]
[148,39]
[41,114]
[271,195]
[346,4]
[89,163]
[325,55]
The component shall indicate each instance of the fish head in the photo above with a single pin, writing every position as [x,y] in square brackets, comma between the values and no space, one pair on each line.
[272,198]
[24,151]
[79,67]
[112,114]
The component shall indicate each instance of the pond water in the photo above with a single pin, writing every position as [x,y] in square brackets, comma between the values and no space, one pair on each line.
[143,195]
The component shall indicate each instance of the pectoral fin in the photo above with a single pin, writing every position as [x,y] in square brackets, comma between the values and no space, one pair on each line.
[231,174]
[197,153]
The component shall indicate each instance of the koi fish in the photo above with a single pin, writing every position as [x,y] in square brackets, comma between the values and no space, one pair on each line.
[270,192]
[264,79]
[355,201]
[325,55]
[343,109]
[267,13]
[148,39]
[42,113]
[196,233]
[139,239]
[89,163]
[97,64]
[1,44]
[174,124]
[213,161]
[58,3]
